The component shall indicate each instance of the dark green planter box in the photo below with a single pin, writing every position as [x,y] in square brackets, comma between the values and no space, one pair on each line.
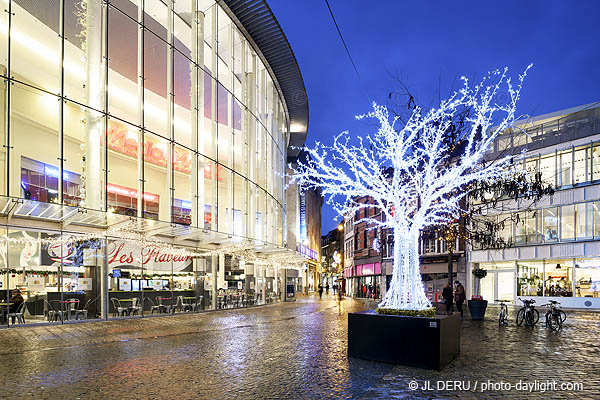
[477,309]
[421,342]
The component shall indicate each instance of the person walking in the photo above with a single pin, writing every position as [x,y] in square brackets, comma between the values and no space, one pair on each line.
[459,297]
[327,288]
[447,295]
[320,291]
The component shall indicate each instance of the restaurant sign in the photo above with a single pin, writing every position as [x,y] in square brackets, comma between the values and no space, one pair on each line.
[121,253]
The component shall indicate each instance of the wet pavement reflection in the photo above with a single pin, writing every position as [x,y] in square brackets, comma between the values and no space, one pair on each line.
[291,350]
[282,351]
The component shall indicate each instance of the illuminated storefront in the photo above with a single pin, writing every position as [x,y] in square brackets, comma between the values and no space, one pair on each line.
[556,252]
[141,140]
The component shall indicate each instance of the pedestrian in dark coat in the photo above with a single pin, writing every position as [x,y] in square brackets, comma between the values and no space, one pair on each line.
[447,295]
[320,291]
[459,297]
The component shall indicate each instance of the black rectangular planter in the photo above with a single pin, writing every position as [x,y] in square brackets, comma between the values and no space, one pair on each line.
[428,343]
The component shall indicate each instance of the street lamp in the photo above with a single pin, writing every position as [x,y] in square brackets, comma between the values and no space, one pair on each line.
[340,227]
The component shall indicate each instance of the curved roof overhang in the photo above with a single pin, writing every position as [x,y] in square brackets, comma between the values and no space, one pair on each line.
[256,20]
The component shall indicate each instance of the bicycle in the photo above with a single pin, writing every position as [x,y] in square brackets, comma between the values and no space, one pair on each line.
[503,315]
[554,316]
[528,313]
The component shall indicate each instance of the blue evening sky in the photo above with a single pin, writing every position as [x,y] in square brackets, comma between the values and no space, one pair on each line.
[429,44]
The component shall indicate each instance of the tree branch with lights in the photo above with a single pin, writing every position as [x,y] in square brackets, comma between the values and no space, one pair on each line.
[415,177]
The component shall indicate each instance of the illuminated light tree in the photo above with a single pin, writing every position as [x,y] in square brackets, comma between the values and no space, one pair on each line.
[415,177]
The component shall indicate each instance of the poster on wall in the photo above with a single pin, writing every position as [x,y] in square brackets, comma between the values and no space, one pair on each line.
[85,284]
[35,284]
[124,284]
[239,285]
[23,254]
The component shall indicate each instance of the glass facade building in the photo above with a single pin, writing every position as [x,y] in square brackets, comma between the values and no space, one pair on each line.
[138,137]
[555,250]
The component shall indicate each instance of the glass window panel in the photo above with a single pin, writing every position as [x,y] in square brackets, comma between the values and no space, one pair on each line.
[596,161]
[208,192]
[84,62]
[156,190]
[34,136]
[224,199]
[182,25]
[126,279]
[550,224]
[240,202]
[122,72]
[33,273]
[182,167]
[35,46]
[84,156]
[587,275]
[582,162]
[487,286]
[566,165]
[533,222]
[567,222]
[156,103]
[122,185]
[506,285]
[156,17]
[183,100]
[596,213]
[530,279]
[559,278]
[548,169]
[521,228]
[4,44]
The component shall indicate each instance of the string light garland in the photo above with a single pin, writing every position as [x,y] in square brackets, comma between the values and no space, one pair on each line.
[404,168]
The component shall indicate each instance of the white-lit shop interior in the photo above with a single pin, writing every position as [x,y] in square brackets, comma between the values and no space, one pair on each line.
[131,160]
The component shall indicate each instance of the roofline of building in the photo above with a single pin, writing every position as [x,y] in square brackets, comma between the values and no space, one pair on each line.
[258,24]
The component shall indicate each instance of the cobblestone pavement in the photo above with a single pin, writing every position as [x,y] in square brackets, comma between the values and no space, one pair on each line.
[284,351]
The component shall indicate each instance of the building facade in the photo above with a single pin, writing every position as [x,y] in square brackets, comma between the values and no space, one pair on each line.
[332,259]
[556,252]
[142,140]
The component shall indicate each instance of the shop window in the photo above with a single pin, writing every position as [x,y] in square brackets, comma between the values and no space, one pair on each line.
[529,279]
[587,274]
[559,279]
[39,182]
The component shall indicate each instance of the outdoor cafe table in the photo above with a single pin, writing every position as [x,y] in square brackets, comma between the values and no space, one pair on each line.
[67,302]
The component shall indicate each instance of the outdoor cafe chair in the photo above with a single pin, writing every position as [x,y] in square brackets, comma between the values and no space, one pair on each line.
[57,307]
[120,310]
[84,311]
[153,306]
[198,304]
[19,315]
[180,304]
[72,307]
[136,307]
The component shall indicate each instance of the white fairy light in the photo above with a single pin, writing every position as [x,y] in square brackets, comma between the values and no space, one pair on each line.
[407,172]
